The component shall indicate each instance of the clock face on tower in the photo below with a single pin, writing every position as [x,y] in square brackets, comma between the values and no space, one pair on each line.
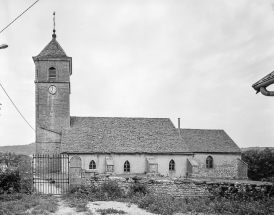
[52,89]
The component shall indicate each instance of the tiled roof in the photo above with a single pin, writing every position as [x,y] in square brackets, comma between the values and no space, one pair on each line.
[199,140]
[52,50]
[122,135]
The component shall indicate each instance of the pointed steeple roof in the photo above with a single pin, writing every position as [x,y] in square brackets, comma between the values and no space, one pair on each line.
[52,50]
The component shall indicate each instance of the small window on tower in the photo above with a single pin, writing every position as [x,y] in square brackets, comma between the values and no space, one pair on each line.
[209,162]
[52,74]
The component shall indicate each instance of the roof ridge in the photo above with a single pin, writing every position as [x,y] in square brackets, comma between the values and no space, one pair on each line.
[118,117]
[203,129]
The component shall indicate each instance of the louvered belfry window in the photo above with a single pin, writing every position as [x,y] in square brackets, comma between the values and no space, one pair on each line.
[126,166]
[92,165]
[209,162]
[52,74]
[172,165]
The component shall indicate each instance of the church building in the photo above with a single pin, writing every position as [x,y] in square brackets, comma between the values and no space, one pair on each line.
[121,145]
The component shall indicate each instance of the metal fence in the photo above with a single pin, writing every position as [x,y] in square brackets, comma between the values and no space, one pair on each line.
[50,173]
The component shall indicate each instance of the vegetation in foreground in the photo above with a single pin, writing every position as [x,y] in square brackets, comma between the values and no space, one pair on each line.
[16,188]
[110,211]
[166,205]
[18,203]
[260,164]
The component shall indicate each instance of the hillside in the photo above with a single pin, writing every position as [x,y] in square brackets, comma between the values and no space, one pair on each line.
[256,148]
[19,149]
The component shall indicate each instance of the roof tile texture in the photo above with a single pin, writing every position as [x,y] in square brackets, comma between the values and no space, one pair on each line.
[52,50]
[199,140]
[122,135]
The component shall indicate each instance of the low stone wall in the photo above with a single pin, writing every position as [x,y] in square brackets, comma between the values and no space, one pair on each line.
[182,188]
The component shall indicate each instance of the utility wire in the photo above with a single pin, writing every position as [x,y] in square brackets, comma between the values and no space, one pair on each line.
[16,107]
[19,16]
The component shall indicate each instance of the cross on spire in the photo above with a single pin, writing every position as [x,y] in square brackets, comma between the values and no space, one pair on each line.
[54,35]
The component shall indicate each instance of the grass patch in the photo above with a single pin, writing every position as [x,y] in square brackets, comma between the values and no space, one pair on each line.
[15,204]
[110,211]
[73,201]
[166,205]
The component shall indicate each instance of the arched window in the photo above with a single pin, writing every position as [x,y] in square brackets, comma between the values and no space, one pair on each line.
[92,165]
[172,165]
[209,162]
[52,74]
[126,166]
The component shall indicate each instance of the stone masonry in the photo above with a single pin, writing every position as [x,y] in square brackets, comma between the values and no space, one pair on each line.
[182,188]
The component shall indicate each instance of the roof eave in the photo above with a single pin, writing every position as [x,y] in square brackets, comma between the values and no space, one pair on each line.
[151,153]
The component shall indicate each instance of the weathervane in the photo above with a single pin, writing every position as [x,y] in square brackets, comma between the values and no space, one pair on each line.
[54,35]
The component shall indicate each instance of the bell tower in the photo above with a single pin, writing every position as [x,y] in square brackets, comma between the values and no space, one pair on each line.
[53,69]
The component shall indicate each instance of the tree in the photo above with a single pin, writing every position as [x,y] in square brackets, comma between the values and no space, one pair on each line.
[16,161]
[260,163]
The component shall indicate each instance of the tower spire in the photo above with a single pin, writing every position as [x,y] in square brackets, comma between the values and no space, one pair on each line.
[54,35]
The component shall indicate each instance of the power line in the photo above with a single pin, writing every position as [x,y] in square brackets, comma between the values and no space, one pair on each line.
[16,107]
[19,16]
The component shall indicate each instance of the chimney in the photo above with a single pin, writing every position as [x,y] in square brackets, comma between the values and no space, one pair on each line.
[179,125]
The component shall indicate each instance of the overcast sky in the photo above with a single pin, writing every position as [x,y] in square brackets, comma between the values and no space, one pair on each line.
[194,60]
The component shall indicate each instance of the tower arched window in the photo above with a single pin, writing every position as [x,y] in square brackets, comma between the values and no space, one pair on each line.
[92,165]
[209,162]
[172,165]
[52,74]
[126,166]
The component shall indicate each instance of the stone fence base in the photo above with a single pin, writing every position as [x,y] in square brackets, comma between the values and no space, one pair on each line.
[180,188]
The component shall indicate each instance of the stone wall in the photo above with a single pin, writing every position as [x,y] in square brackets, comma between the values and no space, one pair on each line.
[182,188]
[225,166]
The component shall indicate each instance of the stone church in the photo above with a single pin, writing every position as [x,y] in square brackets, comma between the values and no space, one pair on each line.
[120,145]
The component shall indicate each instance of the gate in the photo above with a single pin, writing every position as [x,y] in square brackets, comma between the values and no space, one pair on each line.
[50,173]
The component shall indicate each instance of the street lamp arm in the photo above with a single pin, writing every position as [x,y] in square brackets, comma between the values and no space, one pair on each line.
[3,46]
[265,92]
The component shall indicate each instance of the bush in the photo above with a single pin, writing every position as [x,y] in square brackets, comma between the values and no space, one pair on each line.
[111,190]
[162,204]
[260,163]
[12,181]
[138,188]
[9,181]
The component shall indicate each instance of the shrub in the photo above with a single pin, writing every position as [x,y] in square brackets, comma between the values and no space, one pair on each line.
[138,188]
[111,190]
[12,181]
[9,181]
[260,163]
[162,204]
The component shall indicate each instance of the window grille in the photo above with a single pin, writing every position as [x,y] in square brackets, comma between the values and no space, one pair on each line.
[209,162]
[172,165]
[92,165]
[52,74]
[126,166]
